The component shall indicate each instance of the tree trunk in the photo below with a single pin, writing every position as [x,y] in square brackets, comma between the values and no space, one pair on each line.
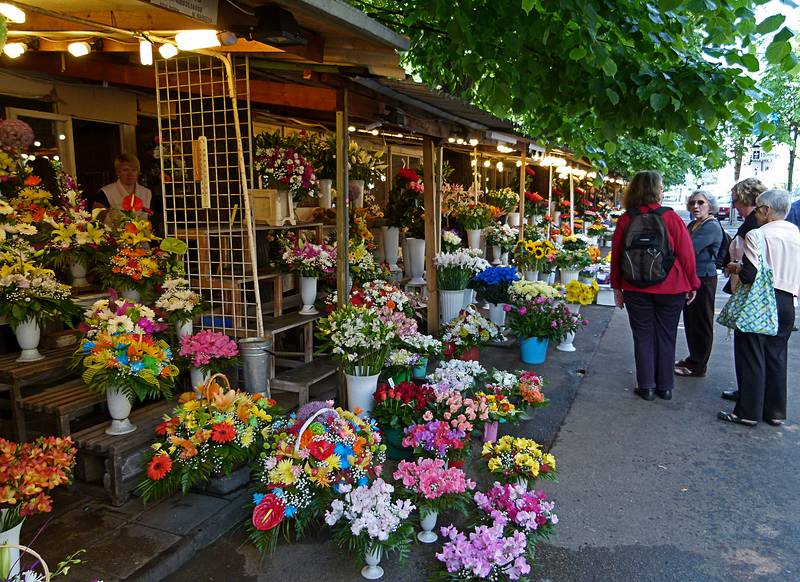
[792,156]
[737,165]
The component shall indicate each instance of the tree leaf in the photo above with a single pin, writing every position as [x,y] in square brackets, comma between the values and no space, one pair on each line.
[577,53]
[751,62]
[770,24]
[610,147]
[527,5]
[658,101]
[609,67]
[776,51]
[613,96]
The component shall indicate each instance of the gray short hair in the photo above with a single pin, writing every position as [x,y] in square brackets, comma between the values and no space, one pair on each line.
[713,205]
[778,200]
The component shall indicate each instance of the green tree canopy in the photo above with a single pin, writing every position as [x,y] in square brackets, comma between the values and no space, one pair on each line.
[584,72]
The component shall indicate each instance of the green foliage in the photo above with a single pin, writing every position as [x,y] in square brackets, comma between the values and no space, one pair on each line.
[582,73]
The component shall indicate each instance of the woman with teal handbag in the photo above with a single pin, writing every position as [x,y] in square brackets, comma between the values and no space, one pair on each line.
[761,312]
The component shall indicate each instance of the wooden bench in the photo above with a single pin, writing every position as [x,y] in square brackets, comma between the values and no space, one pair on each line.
[65,402]
[300,379]
[277,325]
[121,456]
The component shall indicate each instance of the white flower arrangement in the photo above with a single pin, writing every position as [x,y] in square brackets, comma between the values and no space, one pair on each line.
[455,269]
[470,329]
[370,510]
[424,345]
[401,358]
[503,379]
[503,235]
[178,300]
[358,337]
[522,292]
[455,375]
[451,241]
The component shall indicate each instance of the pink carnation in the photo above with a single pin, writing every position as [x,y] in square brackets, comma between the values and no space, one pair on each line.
[207,345]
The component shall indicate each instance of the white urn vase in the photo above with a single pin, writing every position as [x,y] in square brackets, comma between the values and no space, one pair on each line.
[9,556]
[28,335]
[325,186]
[372,571]
[427,522]
[474,237]
[308,294]
[569,275]
[391,243]
[512,219]
[497,314]
[496,255]
[119,408]
[78,272]
[361,392]
[531,275]
[416,258]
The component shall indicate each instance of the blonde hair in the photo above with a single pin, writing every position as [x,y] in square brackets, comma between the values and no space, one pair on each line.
[126,159]
[645,188]
[746,191]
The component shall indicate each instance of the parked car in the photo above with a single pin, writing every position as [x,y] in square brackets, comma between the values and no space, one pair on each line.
[724,212]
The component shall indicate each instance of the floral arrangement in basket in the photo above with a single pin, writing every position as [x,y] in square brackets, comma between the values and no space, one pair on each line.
[285,169]
[451,241]
[138,365]
[474,215]
[435,438]
[505,199]
[597,229]
[77,234]
[501,235]
[454,270]
[370,520]
[206,437]
[402,405]
[467,331]
[573,254]
[178,300]
[309,259]
[433,486]
[511,459]
[117,316]
[492,284]
[581,293]
[458,375]
[28,472]
[308,459]
[522,292]
[358,338]
[211,351]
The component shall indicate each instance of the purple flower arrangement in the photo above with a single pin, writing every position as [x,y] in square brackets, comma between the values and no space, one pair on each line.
[486,553]
[436,437]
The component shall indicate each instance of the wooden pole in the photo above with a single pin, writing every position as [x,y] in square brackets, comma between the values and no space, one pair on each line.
[550,201]
[571,205]
[475,173]
[522,196]
[431,202]
[342,217]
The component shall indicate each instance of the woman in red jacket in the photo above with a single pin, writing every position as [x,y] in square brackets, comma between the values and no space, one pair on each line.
[654,310]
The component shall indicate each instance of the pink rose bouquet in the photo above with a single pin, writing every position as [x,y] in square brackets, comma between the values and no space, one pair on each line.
[209,350]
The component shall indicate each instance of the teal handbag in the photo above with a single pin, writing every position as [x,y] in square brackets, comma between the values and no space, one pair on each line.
[752,308]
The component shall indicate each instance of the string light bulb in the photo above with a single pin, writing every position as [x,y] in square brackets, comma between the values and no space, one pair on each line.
[351,128]
[146,52]
[473,142]
[79,49]
[499,166]
[12,13]
[167,50]
[487,164]
[451,140]
[15,50]
[189,40]
[519,164]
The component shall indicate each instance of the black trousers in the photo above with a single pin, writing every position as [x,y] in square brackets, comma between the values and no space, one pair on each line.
[654,323]
[761,366]
[698,322]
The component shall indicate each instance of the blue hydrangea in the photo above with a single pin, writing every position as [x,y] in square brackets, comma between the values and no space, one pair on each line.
[497,276]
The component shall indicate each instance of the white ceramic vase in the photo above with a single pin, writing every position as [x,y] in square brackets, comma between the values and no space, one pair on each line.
[357,188]
[531,275]
[9,557]
[450,304]
[119,408]
[78,272]
[496,255]
[28,336]
[325,186]
[557,218]
[512,219]
[391,242]
[198,377]
[308,294]
[543,276]
[427,522]
[566,343]
[184,328]
[504,259]
[474,237]
[497,315]
[360,393]
[132,295]
[593,240]
[372,571]
[468,299]
[416,258]
[568,275]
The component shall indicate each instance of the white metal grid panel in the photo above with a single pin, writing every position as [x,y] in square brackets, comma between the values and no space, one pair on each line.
[194,101]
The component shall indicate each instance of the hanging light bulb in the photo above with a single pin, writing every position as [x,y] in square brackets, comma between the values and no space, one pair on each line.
[451,140]
[473,142]
[351,128]
[190,40]
[167,50]
[499,166]
[487,164]
[79,49]
[519,163]
[12,13]
[374,132]
[14,50]
[146,52]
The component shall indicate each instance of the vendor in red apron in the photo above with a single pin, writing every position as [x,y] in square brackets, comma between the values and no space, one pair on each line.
[126,193]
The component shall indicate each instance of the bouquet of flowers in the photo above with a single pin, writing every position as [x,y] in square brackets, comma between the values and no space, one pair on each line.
[512,458]
[285,169]
[566,321]
[597,229]
[130,231]
[77,234]
[309,259]
[454,270]
[452,197]
[485,553]
[434,487]
[580,293]
[458,375]
[203,438]
[467,331]
[209,350]
[492,284]
[405,208]
[573,254]
[401,406]
[542,317]
[515,508]
[28,471]
[368,517]
[474,215]
[458,410]
[498,406]
[544,254]
[138,365]
[435,437]
[535,205]
[399,361]
[501,235]
[425,345]
[379,294]
[117,316]
[29,292]
[522,292]
[595,254]
[178,300]
[451,242]
[529,390]
[358,337]
[505,199]
[363,267]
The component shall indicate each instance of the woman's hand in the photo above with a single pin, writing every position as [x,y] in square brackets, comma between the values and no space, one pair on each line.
[619,298]
[734,267]
[690,297]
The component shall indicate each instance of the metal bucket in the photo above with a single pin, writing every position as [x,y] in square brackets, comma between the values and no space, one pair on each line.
[255,357]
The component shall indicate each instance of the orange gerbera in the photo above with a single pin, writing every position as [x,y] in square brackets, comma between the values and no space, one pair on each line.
[158,467]
[223,432]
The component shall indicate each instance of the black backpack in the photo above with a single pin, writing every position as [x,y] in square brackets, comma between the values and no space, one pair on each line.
[648,256]
[723,256]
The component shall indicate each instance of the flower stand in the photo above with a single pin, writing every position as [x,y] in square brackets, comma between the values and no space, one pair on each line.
[78,272]
[567,276]
[474,237]
[308,294]
[427,523]
[357,193]
[532,275]
[372,571]
[360,392]
[325,186]
[416,259]
[28,336]
[450,304]
[490,432]
[391,242]
[533,350]
[119,408]
[512,219]
[421,369]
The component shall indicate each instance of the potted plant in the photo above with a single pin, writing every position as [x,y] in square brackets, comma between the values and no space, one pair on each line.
[505,199]
[286,170]
[366,167]
[208,352]
[437,439]
[529,393]
[433,487]
[535,207]
[405,213]
[500,410]
[426,347]
[459,375]
[453,274]
[310,261]
[595,231]
[501,238]
[534,323]
[369,522]
[492,285]
[566,322]
[474,217]
[467,333]
[572,257]
[397,408]
[180,303]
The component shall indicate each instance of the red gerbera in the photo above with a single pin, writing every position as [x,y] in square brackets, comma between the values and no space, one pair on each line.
[321,449]
[223,432]
[158,467]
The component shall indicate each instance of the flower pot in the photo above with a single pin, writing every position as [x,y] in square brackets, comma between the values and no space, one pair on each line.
[400,377]
[544,276]
[474,237]
[593,241]
[566,343]
[471,355]
[551,278]
[78,272]
[360,393]
[198,377]
[504,258]
[531,275]
[416,259]
[512,219]
[132,295]
[357,192]
[535,219]
[9,557]
[119,408]
[522,482]
[394,445]
[391,242]
[427,522]
[184,328]
[495,254]
[497,315]
[308,294]
[468,298]
[325,186]
[254,353]
[28,335]
[421,369]
[373,557]
[490,432]
[533,350]
[568,275]
[450,304]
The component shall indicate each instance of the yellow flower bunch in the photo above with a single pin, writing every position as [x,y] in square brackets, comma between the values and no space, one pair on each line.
[32,195]
[512,457]
[522,292]
[7,164]
[594,254]
[582,293]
